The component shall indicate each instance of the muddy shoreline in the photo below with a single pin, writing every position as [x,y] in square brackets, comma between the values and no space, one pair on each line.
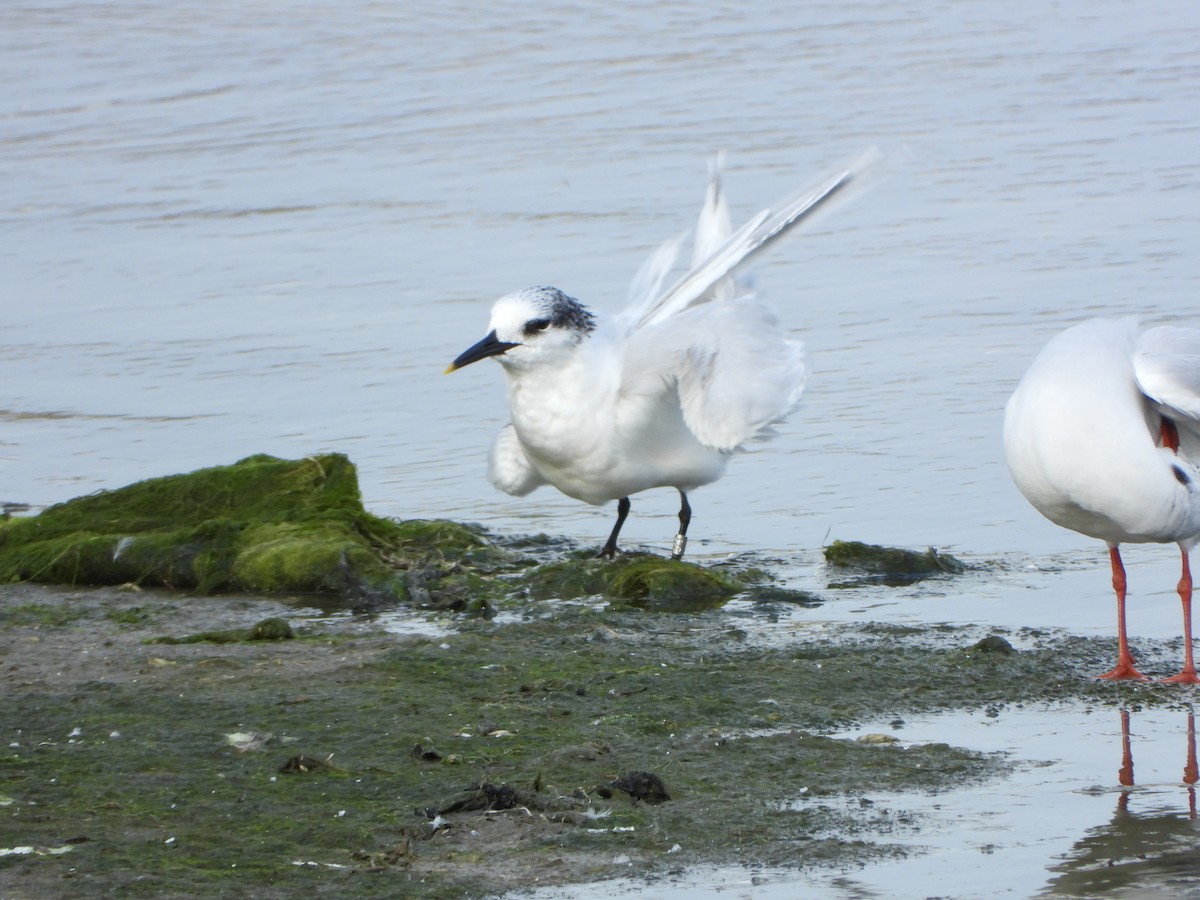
[486,760]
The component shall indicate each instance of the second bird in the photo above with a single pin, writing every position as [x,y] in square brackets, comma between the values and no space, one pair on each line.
[659,395]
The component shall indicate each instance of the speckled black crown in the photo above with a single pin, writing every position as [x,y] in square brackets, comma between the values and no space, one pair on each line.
[564,311]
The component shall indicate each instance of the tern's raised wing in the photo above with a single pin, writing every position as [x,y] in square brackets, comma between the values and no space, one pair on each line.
[647,283]
[712,231]
[735,373]
[756,234]
[1166,364]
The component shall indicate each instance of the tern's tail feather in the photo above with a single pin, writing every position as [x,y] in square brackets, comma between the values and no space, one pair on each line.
[761,231]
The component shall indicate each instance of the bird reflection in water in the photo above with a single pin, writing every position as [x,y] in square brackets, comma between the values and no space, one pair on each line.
[1190,773]
[1151,851]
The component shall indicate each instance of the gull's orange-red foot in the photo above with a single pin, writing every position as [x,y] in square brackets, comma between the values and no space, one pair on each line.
[1187,676]
[1123,672]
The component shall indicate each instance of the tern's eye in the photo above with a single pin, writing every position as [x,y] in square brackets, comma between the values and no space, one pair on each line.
[533,326]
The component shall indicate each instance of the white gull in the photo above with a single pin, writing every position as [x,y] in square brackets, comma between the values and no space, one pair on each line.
[1102,436]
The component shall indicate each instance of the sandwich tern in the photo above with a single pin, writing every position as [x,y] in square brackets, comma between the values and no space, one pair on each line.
[661,394]
[1102,436]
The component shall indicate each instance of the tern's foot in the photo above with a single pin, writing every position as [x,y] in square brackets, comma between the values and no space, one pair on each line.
[1123,671]
[1187,676]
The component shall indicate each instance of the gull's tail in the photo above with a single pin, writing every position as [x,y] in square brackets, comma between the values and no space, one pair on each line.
[761,231]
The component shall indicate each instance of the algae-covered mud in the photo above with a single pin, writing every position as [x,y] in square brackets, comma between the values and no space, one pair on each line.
[505,754]
[571,721]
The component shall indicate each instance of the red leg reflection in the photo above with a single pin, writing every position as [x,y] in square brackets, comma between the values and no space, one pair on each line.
[1190,772]
[1125,776]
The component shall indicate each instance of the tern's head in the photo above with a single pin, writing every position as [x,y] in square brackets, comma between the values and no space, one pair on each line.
[532,326]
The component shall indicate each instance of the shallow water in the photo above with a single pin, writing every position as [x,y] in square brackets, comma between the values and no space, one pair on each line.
[228,231]
[1063,824]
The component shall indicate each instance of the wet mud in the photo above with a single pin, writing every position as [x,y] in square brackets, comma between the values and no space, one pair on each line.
[557,743]
[573,720]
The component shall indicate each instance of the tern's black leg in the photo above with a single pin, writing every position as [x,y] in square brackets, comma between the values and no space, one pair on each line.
[610,547]
[685,518]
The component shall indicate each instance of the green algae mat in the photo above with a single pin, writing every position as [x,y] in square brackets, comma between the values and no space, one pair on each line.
[298,526]
[262,524]
[558,744]
[185,731]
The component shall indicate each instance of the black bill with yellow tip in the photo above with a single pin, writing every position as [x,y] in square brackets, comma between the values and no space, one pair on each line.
[489,346]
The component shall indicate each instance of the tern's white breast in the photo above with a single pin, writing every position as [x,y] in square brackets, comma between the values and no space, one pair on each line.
[597,442]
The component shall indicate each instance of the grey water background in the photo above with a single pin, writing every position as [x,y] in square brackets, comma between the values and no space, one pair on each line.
[229,229]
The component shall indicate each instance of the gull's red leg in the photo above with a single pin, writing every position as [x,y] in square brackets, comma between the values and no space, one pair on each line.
[1188,674]
[1124,667]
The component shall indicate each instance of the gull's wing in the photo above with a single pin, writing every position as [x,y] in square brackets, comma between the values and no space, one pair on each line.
[756,234]
[1166,364]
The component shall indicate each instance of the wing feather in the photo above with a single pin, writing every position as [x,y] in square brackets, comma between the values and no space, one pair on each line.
[509,468]
[1166,364]
[759,232]
[735,372]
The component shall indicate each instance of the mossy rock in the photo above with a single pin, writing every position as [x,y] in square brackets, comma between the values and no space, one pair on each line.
[449,540]
[890,565]
[648,582]
[256,489]
[261,524]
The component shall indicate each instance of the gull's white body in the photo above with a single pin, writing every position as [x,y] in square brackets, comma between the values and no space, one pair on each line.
[1086,437]
[661,394]
[1083,437]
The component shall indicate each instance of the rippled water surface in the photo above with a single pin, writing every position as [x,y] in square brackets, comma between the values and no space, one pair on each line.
[229,229]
